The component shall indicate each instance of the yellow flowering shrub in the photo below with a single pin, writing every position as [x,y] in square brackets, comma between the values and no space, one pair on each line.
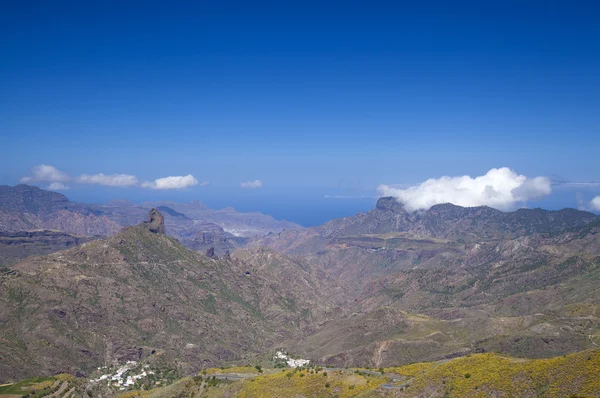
[411,370]
[135,394]
[289,384]
[484,375]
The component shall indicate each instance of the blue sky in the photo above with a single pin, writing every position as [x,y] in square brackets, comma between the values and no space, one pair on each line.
[311,98]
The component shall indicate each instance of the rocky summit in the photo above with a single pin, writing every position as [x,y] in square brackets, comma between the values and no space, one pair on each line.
[156,222]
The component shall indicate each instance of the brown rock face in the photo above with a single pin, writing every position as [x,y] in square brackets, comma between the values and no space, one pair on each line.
[211,252]
[156,222]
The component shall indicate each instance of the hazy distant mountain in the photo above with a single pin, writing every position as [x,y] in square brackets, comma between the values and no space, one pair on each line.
[233,222]
[198,226]
[445,221]
[28,208]
[456,222]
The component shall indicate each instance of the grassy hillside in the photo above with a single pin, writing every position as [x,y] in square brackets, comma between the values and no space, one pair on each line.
[282,383]
[62,385]
[302,383]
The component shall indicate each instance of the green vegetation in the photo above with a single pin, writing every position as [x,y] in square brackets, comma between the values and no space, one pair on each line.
[233,369]
[17,294]
[569,262]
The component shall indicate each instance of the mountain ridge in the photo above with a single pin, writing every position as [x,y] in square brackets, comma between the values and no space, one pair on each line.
[139,291]
[441,221]
[25,208]
[475,278]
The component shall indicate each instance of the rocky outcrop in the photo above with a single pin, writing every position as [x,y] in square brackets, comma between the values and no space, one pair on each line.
[156,222]
[210,252]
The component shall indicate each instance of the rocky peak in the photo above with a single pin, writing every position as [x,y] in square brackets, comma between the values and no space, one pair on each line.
[390,203]
[156,222]
[211,252]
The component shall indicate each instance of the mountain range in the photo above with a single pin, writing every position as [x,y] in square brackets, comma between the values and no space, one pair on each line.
[453,280]
[383,288]
[29,208]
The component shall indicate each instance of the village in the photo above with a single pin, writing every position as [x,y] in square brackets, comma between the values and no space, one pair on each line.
[123,377]
[291,362]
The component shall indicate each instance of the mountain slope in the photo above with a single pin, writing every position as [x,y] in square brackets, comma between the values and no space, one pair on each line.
[452,281]
[139,293]
[15,246]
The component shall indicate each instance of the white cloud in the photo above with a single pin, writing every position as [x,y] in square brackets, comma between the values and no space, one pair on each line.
[173,182]
[252,184]
[57,178]
[499,188]
[57,186]
[46,173]
[595,203]
[111,180]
